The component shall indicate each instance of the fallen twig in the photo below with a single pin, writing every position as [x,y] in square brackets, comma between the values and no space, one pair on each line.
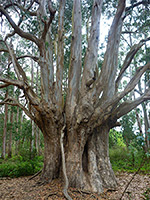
[35,175]
[142,163]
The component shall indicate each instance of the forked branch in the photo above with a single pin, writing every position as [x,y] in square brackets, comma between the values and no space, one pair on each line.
[127,106]
[13,102]
[47,24]
[129,57]
[18,30]
[18,69]
[90,62]
[8,81]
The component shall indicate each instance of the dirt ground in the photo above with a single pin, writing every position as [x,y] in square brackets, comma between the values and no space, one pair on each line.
[24,189]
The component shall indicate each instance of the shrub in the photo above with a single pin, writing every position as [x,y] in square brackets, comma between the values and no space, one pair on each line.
[128,160]
[15,167]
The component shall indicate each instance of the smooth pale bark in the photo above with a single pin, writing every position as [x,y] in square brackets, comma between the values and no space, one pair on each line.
[146,120]
[75,61]
[90,63]
[32,122]
[32,136]
[17,132]
[37,139]
[5,128]
[10,135]
[109,67]
[60,58]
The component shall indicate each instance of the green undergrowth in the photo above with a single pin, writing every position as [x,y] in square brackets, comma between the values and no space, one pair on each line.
[124,160]
[146,194]
[17,166]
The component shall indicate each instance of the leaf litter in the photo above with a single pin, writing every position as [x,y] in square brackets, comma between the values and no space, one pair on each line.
[24,189]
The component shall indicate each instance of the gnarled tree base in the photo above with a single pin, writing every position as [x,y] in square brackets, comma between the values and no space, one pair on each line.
[88,167]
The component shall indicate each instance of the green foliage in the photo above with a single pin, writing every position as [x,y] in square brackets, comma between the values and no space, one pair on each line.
[147,194]
[16,166]
[130,160]
[116,139]
[127,158]
[127,123]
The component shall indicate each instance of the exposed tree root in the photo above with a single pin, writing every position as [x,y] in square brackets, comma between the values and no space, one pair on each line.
[39,183]
[35,175]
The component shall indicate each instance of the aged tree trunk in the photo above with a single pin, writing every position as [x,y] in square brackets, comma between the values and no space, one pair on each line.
[87,160]
[90,105]
[52,154]
[98,167]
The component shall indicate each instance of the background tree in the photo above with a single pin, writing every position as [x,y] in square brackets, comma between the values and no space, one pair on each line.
[91,103]
[133,29]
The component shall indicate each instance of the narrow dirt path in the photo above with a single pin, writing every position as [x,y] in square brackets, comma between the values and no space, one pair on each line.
[22,189]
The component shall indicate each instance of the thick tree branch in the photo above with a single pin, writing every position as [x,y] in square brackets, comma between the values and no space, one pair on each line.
[18,69]
[135,79]
[47,24]
[127,106]
[75,59]
[22,84]
[18,30]
[46,56]
[13,102]
[105,84]
[131,85]
[60,56]
[26,10]
[110,64]
[36,59]
[4,85]
[90,62]
[17,83]
[13,32]
[107,108]
[4,50]
[129,57]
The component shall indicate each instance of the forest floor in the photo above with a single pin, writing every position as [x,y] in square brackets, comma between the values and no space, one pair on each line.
[24,189]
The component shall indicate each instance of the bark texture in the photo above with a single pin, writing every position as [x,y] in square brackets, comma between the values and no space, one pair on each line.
[91,104]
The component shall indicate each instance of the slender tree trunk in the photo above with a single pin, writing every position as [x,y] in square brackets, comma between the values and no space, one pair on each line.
[39,142]
[36,139]
[10,136]
[32,122]
[32,137]
[5,128]
[17,132]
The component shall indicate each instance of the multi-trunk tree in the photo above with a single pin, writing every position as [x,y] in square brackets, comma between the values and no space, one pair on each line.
[91,104]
